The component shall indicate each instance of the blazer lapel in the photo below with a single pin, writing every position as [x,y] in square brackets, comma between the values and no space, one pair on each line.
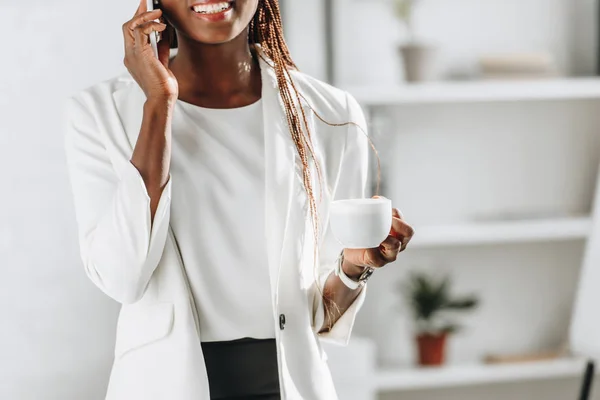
[280,170]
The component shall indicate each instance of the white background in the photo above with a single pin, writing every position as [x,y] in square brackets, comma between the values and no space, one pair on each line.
[57,329]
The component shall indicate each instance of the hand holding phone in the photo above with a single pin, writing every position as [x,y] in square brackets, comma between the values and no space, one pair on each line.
[146,57]
[152,5]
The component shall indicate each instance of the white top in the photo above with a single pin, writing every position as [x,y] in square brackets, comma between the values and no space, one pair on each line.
[218,217]
[138,265]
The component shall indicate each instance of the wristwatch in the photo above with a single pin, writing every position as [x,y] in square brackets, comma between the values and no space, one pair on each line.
[349,282]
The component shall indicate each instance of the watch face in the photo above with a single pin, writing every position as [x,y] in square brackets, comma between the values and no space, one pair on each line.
[366,274]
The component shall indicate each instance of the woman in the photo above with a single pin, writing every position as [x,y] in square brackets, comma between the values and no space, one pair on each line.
[201,185]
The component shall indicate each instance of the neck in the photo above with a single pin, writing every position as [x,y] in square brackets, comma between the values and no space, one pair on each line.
[206,71]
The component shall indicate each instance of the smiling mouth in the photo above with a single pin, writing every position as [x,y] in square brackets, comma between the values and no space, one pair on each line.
[212,8]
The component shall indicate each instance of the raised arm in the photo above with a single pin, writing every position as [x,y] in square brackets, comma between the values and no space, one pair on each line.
[123,210]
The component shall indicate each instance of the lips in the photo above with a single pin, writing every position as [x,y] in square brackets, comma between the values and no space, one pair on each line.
[211,7]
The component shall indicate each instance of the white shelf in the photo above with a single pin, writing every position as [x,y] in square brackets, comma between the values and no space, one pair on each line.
[453,376]
[502,232]
[478,91]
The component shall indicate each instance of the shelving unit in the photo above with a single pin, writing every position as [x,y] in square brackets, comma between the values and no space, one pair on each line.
[453,376]
[453,152]
[502,232]
[534,133]
[478,91]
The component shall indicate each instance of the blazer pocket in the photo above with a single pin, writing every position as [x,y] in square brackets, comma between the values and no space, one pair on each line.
[141,325]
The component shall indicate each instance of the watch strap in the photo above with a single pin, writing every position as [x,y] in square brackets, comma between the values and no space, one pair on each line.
[349,282]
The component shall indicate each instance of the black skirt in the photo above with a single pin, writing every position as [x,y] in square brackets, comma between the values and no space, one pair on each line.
[242,369]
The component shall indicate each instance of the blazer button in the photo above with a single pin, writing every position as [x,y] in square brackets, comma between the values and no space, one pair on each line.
[281,321]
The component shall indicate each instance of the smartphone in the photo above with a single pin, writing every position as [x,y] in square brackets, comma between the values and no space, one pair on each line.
[152,5]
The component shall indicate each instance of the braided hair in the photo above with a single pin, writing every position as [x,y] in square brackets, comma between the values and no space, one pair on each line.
[266,30]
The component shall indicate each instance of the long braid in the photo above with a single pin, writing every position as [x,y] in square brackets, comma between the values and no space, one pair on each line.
[266,29]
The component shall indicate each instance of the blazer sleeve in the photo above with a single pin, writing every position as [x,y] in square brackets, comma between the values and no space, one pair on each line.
[119,246]
[351,183]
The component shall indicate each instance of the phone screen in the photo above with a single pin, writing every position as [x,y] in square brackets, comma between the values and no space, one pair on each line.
[151,5]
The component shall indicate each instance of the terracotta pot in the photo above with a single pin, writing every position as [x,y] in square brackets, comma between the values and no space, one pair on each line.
[432,349]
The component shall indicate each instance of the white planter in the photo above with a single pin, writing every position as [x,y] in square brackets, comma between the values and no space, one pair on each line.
[419,62]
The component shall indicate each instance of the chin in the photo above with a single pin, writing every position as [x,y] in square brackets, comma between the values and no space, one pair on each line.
[214,21]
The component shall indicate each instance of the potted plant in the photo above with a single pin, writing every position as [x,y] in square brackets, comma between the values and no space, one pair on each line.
[418,57]
[433,307]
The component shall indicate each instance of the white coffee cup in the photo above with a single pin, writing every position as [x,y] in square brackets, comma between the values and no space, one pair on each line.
[361,223]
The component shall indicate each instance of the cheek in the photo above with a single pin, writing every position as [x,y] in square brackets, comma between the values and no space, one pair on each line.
[248,9]
[171,12]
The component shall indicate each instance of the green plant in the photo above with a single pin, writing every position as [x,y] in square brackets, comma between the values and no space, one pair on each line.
[432,303]
[404,11]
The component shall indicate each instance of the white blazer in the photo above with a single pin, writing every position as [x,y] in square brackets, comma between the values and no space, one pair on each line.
[158,355]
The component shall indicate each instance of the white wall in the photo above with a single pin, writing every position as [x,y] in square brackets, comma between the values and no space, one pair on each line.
[57,329]
[304,31]
[472,161]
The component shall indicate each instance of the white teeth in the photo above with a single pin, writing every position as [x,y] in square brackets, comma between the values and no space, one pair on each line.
[211,8]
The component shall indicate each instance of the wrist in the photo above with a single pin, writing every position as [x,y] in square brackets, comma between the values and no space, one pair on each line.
[352,271]
[160,102]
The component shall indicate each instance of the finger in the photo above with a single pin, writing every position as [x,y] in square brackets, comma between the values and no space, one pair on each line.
[390,244]
[374,258]
[145,17]
[389,248]
[129,26]
[396,213]
[365,257]
[141,8]
[400,229]
[142,32]
[407,239]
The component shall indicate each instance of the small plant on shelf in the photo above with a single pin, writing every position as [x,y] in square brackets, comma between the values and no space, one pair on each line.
[433,307]
[405,11]
[418,57]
